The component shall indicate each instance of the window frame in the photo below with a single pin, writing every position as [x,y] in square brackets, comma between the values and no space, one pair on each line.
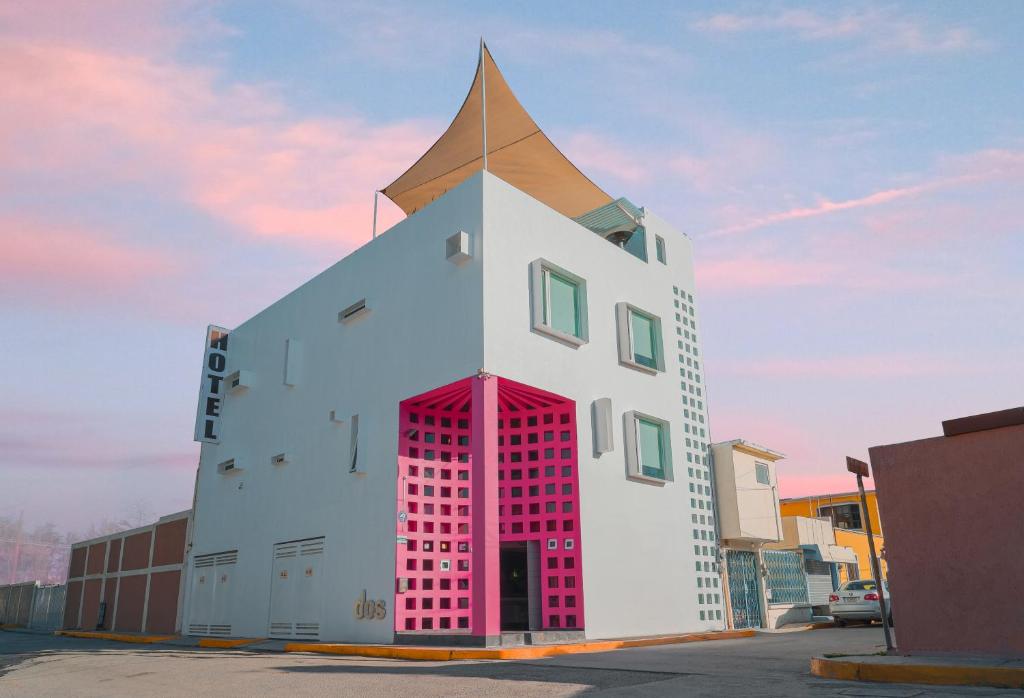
[540,294]
[624,321]
[660,251]
[829,510]
[634,461]
[758,465]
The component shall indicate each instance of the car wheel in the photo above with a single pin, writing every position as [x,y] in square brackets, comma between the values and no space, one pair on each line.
[841,622]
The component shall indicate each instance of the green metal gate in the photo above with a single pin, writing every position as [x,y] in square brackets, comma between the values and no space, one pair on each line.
[744,594]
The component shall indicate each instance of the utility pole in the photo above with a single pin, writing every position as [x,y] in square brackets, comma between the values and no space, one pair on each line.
[860,469]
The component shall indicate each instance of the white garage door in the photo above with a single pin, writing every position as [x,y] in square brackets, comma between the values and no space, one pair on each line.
[296,595]
[210,593]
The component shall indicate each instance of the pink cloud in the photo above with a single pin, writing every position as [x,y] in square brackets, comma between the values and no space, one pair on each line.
[878,29]
[236,152]
[594,153]
[825,207]
[63,261]
[849,367]
[802,484]
[744,273]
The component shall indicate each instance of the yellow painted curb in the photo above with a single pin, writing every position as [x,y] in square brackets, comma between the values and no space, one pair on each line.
[846,670]
[116,637]
[443,654]
[225,643]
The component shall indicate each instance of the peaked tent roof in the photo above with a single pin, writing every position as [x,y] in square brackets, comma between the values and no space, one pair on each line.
[517,151]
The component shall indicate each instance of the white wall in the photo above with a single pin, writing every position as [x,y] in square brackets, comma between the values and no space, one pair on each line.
[424,331]
[432,323]
[638,560]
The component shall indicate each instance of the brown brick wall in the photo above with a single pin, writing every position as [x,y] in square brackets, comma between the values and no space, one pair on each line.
[109,595]
[77,567]
[130,601]
[115,555]
[136,551]
[162,614]
[97,558]
[169,548]
[73,600]
[91,603]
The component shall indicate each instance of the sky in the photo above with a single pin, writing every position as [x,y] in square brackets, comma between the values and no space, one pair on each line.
[851,175]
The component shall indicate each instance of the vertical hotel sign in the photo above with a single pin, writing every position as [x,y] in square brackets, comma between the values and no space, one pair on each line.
[211,387]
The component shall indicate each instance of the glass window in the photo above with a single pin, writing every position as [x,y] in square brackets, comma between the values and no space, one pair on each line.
[761,472]
[645,339]
[843,516]
[651,446]
[558,303]
[659,248]
[561,303]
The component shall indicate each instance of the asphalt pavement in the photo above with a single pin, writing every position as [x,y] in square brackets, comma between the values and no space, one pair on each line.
[774,664]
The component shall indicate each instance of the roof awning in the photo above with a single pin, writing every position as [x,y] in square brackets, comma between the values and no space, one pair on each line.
[517,152]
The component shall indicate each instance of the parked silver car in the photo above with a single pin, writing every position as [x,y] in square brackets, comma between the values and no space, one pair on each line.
[858,600]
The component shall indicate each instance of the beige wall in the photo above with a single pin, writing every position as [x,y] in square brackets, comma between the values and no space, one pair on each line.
[747,509]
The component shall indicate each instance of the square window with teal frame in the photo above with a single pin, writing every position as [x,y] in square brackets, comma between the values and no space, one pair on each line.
[648,448]
[558,303]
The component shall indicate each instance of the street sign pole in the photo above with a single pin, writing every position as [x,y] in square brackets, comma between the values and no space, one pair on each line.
[860,469]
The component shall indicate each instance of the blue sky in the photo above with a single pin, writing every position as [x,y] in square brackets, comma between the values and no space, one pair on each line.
[850,173]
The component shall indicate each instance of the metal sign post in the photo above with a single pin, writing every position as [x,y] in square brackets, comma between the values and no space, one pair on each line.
[860,469]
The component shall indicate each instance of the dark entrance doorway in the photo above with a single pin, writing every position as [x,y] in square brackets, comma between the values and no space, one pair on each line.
[515,587]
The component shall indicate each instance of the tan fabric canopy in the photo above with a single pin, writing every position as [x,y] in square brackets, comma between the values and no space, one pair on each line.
[517,151]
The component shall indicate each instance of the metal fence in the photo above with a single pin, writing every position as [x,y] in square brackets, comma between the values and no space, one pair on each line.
[29,605]
[48,607]
[785,578]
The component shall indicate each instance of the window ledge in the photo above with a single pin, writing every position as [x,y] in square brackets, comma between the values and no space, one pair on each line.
[563,337]
[648,480]
[639,367]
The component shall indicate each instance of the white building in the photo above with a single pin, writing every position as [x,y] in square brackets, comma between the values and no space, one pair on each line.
[489,418]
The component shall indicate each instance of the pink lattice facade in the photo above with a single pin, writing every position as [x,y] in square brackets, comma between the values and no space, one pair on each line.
[476,478]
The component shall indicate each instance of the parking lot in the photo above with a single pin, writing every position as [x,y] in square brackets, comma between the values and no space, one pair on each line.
[773,664]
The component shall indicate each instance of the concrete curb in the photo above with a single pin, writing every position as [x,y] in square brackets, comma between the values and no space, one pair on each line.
[116,637]
[225,643]
[948,675]
[444,654]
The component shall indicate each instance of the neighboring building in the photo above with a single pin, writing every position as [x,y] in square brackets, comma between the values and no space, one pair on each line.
[954,522]
[764,588]
[488,419]
[129,581]
[845,512]
[823,558]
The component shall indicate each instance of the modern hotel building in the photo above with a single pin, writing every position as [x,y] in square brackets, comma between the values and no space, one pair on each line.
[489,419]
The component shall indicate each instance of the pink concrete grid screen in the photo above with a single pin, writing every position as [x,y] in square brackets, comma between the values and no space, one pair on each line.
[434,474]
[538,496]
[538,500]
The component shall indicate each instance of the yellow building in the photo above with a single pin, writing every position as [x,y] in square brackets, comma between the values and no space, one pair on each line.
[844,510]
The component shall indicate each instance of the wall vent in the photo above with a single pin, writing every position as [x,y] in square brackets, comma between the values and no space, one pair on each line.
[280,459]
[354,311]
[457,248]
[239,380]
[228,466]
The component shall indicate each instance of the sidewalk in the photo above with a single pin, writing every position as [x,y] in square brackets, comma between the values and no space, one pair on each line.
[949,670]
[410,652]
